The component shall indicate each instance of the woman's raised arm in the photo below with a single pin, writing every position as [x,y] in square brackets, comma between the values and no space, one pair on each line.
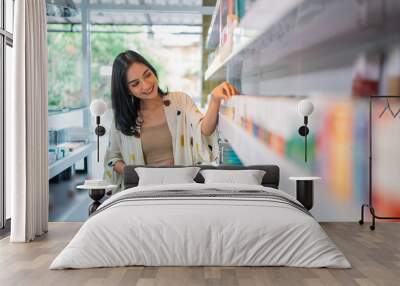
[224,91]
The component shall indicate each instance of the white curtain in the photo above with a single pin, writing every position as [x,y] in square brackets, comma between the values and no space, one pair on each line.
[26,157]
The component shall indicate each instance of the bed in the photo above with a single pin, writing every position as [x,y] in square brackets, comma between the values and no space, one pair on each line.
[199,224]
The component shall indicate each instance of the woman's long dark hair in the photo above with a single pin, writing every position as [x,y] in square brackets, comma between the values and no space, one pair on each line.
[126,106]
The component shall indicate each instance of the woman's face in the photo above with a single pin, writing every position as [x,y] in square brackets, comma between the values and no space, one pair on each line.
[142,82]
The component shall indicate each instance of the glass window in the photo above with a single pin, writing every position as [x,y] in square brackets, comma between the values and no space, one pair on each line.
[65,66]
[9,14]
[176,57]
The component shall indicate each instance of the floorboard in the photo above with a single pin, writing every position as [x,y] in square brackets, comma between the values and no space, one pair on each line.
[374,255]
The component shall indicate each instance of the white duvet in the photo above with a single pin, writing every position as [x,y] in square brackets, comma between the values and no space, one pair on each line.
[200,231]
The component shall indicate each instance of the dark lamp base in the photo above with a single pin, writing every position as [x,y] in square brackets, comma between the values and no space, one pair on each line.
[305,193]
[96,195]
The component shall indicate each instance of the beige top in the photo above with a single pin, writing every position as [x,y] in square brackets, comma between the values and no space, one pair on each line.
[157,145]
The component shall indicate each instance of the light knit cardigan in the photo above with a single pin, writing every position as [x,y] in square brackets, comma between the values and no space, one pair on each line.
[190,147]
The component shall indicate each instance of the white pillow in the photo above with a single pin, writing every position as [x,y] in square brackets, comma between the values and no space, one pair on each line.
[164,176]
[248,177]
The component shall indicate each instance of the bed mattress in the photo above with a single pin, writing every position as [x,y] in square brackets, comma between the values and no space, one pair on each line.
[201,225]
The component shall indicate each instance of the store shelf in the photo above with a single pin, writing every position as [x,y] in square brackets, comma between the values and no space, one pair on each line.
[73,157]
[66,110]
[256,21]
[252,151]
[249,149]
[309,35]
[213,31]
[216,71]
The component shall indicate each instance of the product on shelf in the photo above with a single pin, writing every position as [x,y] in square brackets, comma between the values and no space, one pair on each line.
[367,71]
[240,8]
[228,23]
[392,67]
[231,27]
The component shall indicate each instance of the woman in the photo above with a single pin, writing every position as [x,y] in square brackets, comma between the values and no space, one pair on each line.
[153,127]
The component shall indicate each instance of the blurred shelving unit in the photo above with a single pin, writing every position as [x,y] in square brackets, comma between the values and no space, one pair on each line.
[293,47]
[299,36]
[72,158]
[249,149]
[313,48]
[304,35]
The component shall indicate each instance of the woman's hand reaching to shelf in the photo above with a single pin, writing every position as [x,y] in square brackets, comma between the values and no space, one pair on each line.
[224,91]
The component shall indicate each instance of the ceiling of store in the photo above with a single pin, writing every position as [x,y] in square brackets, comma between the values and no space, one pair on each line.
[128,12]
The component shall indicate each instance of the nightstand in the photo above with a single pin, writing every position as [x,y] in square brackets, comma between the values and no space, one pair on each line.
[96,193]
[305,190]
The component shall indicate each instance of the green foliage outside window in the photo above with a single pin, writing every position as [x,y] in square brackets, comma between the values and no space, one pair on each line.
[104,48]
[65,63]
[65,69]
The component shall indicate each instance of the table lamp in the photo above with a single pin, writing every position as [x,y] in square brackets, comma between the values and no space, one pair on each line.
[305,108]
[98,108]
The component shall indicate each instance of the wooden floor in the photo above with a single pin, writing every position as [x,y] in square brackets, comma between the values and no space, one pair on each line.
[375,257]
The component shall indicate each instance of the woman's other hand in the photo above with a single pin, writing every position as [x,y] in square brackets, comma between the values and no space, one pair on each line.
[119,167]
[224,91]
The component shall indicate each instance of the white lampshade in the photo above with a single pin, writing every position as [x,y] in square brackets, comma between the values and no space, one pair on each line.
[305,107]
[98,107]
